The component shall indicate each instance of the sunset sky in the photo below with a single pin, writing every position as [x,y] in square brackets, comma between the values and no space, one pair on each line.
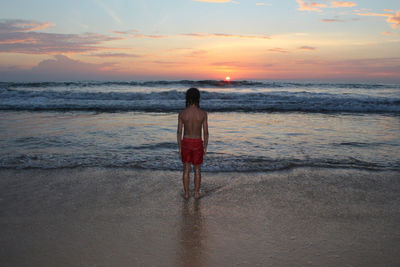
[203,39]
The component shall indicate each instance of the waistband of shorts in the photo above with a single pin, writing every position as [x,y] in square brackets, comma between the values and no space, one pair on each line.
[192,139]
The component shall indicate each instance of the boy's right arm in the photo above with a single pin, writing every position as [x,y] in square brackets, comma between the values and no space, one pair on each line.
[179,133]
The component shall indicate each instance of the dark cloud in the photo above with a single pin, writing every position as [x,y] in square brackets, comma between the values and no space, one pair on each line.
[18,25]
[21,36]
[108,55]
[66,64]
[332,20]
[59,68]
[304,47]
[385,69]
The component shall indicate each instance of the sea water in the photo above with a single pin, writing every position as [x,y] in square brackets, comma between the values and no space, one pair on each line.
[254,125]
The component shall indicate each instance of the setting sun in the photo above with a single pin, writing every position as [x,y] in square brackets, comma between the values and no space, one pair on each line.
[227,79]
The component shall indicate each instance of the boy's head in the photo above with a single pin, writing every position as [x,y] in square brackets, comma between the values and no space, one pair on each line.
[192,97]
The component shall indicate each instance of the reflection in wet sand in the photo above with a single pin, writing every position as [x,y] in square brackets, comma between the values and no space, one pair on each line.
[191,245]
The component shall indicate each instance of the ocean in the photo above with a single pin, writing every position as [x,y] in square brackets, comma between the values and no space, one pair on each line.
[254,125]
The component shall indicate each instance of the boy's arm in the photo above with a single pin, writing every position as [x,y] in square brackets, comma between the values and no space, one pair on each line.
[179,133]
[205,133]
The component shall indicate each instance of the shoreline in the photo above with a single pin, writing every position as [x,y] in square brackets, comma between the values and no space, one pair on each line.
[211,172]
[125,217]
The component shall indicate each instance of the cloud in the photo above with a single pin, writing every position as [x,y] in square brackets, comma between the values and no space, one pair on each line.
[312,6]
[136,34]
[304,47]
[197,53]
[317,7]
[242,36]
[148,36]
[18,25]
[393,19]
[332,20]
[278,50]
[59,68]
[64,64]
[168,63]
[200,35]
[342,4]
[282,50]
[108,55]
[374,14]
[366,69]
[226,35]
[125,32]
[20,36]
[374,66]
[263,4]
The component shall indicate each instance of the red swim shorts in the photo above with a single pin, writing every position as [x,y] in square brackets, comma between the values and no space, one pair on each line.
[192,150]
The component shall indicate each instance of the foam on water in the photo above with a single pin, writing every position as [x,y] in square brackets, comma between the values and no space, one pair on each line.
[173,100]
[170,161]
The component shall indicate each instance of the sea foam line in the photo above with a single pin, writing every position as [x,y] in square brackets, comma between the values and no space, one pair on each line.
[173,100]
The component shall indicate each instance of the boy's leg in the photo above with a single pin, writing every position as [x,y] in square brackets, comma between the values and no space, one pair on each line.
[197,180]
[185,178]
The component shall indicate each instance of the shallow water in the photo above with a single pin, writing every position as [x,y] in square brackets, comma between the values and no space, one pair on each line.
[238,141]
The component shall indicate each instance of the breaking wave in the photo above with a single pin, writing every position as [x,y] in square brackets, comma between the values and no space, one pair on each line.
[173,100]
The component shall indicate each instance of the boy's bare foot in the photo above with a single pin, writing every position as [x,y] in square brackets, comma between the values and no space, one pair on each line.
[186,195]
[197,195]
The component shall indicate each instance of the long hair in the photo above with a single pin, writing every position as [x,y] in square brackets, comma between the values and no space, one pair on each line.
[193,97]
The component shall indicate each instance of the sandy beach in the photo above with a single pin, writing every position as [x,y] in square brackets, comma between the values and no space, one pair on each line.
[125,217]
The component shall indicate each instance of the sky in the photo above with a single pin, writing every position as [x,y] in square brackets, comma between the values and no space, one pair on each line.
[320,40]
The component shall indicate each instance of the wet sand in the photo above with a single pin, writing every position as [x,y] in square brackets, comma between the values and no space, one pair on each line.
[122,217]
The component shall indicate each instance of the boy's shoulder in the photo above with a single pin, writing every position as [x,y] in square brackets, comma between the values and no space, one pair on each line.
[199,109]
[186,110]
[183,111]
[202,112]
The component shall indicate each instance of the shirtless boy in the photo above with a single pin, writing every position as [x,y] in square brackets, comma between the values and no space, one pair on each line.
[191,147]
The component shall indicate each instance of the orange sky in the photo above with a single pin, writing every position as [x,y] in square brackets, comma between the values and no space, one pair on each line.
[294,40]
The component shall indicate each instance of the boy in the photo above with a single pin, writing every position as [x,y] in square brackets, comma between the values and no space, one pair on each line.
[191,147]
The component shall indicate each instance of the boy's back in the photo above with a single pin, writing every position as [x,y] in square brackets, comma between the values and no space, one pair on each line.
[192,119]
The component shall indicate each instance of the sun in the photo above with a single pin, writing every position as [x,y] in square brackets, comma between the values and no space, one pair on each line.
[227,78]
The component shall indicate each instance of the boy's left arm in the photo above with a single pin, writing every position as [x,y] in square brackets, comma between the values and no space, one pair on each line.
[205,133]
